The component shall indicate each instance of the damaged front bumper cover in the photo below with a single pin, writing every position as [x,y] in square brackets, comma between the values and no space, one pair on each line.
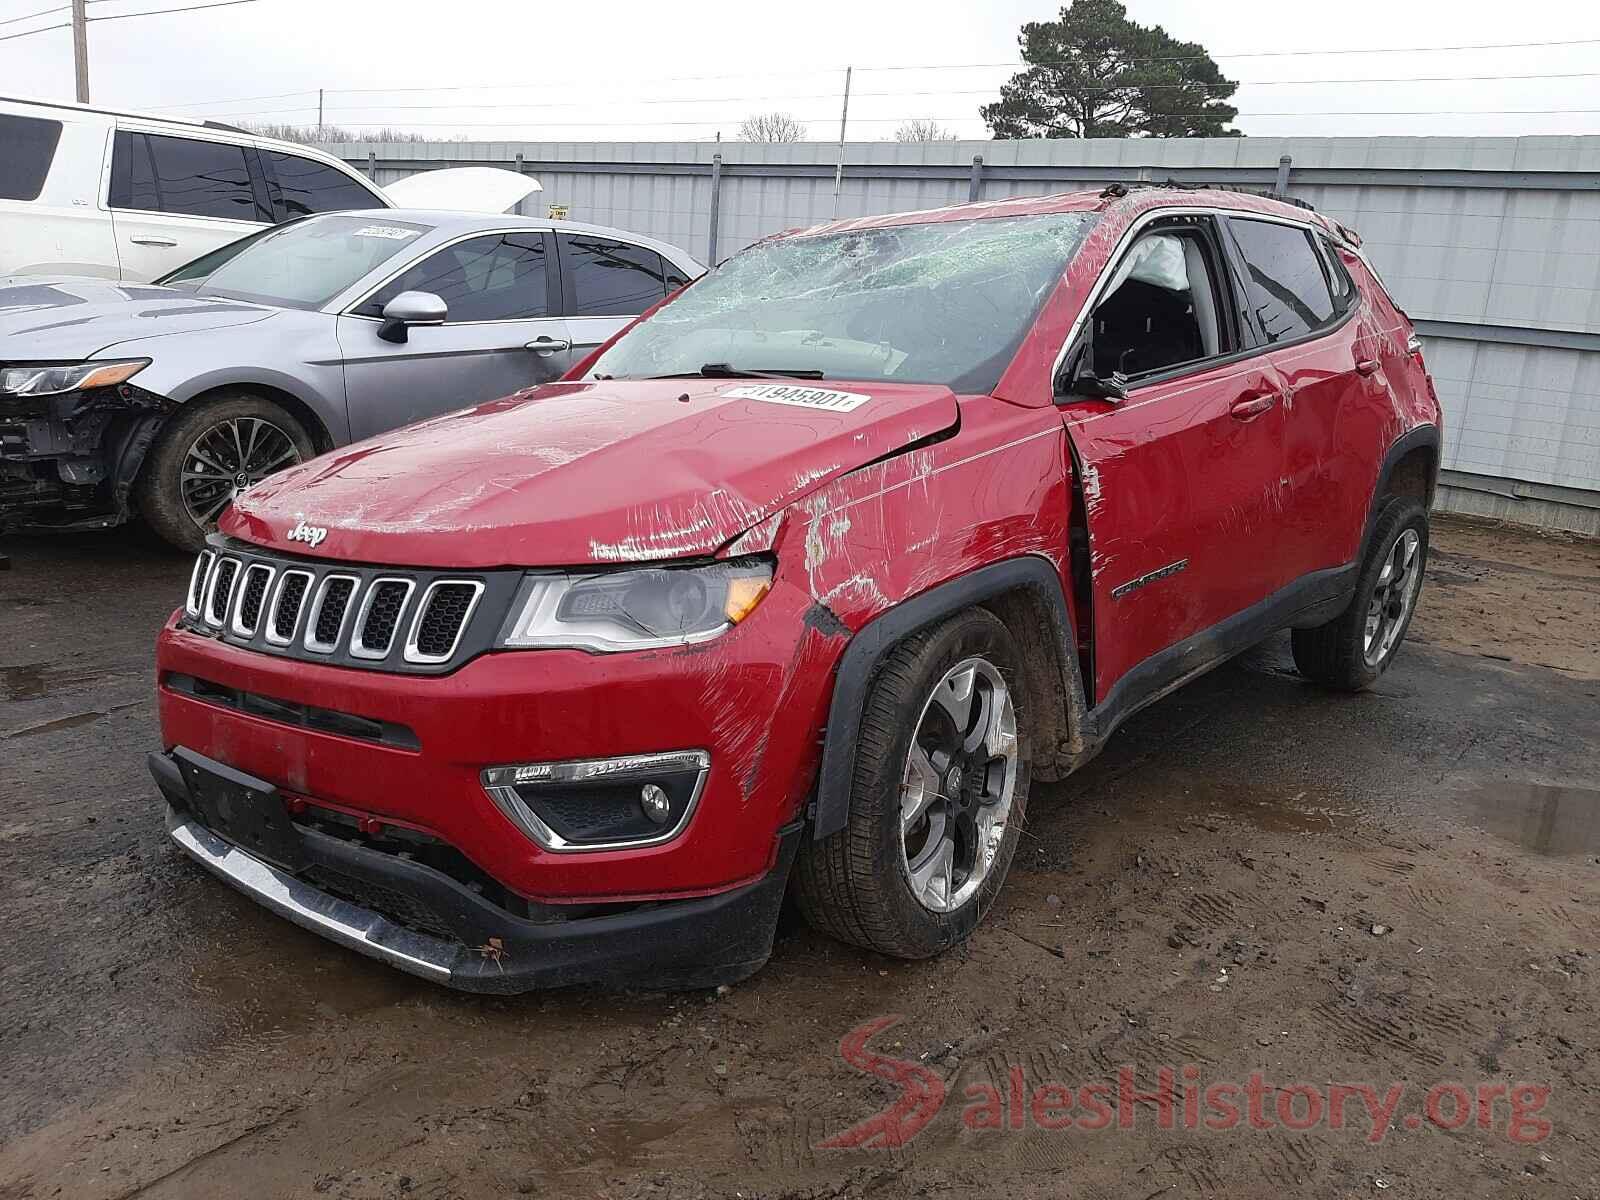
[690,943]
[69,461]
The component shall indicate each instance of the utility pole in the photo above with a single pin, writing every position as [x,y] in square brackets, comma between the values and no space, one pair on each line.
[80,48]
[838,168]
[319,114]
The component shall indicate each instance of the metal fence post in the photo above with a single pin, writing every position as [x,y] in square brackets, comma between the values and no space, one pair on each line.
[1281,185]
[716,200]
[975,184]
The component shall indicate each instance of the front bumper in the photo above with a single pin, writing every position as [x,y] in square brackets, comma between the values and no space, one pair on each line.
[482,948]
[754,700]
[69,461]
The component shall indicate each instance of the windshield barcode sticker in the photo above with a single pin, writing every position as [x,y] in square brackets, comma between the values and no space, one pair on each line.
[392,232]
[800,397]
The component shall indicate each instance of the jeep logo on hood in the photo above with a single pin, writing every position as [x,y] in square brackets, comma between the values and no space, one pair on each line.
[311,535]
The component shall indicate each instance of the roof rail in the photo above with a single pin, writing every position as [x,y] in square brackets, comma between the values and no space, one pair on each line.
[1115,191]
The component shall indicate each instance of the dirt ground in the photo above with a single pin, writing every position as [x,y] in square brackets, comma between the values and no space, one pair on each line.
[1398,890]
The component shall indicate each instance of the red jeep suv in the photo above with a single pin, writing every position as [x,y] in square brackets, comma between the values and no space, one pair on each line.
[794,585]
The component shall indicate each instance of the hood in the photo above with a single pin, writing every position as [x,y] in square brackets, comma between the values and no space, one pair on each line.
[574,473]
[68,318]
[463,189]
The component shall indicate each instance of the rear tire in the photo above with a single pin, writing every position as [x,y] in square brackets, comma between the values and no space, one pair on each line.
[209,452]
[1351,651]
[942,756]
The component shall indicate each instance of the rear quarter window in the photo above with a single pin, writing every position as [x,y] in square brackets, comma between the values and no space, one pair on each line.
[1286,282]
[27,147]
[305,186]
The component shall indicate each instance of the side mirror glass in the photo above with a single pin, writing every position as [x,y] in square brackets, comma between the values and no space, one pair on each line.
[408,309]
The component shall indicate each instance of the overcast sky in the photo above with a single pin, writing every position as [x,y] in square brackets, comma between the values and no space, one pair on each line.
[605,70]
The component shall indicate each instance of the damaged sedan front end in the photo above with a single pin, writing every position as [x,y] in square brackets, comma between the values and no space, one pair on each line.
[72,436]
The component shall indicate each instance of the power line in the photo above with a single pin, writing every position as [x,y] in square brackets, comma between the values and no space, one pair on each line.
[1251,54]
[831,95]
[1496,112]
[43,12]
[773,100]
[10,37]
[833,70]
[161,12]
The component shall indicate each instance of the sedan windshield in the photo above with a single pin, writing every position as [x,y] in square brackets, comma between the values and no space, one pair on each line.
[303,264]
[944,302]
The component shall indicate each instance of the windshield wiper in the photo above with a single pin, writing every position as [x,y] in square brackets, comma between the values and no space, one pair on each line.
[722,370]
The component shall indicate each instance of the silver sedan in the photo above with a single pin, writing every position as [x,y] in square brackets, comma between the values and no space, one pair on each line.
[166,400]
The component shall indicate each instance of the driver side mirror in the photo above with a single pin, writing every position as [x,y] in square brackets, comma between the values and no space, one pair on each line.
[408,309]
[1081,380]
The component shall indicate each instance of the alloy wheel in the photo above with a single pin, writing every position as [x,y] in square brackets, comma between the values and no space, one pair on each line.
[1392,598]
[227,458]
[959,780]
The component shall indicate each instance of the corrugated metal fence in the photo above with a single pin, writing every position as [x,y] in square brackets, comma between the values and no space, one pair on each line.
[1491,244]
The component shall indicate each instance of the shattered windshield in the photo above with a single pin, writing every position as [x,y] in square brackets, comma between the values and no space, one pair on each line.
[944,302]
[300,265]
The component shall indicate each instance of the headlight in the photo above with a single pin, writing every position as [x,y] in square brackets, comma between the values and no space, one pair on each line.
[51,379]
[635,609]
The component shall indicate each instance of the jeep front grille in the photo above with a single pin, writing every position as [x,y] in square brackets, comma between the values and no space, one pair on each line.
[415,621]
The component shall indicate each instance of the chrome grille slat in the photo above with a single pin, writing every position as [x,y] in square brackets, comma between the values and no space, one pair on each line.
[198,579]
[219,591]
[287,602]
[251,591]
[441,618]
[329,613]
[378,620]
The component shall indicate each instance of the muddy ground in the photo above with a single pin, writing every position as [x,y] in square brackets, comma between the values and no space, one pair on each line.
[1257,876]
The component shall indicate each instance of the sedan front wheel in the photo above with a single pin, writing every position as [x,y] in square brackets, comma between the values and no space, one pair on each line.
[210,452]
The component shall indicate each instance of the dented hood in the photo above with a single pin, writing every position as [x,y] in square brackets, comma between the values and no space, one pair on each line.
[575,473]
[66,318]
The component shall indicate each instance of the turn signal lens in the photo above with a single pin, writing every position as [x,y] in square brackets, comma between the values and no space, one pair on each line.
[744,594]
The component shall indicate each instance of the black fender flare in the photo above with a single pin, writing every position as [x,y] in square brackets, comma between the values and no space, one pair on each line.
[1421,436]
[866,650]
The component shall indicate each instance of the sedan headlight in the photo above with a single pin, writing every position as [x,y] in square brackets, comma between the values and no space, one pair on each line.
[51,379]
[637,608]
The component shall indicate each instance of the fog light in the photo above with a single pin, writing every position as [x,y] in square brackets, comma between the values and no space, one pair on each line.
[601,803]
[655,804]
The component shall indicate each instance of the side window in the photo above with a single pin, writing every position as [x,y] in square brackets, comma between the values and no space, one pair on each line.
[1161,307]
[1286,282]
[603,278]
[675,277]
[203,179]
[490,278]
[27,146]
[304,186]
[133,179]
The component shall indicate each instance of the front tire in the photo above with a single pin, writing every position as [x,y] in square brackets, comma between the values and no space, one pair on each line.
[1351,651]
[209,453]
[937,802]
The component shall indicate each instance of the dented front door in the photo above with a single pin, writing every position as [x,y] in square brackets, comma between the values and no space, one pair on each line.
[1182,488]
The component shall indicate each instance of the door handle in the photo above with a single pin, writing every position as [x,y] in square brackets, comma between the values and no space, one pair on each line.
[1366,366]
[1251,407]
[154,241]
[544,346]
